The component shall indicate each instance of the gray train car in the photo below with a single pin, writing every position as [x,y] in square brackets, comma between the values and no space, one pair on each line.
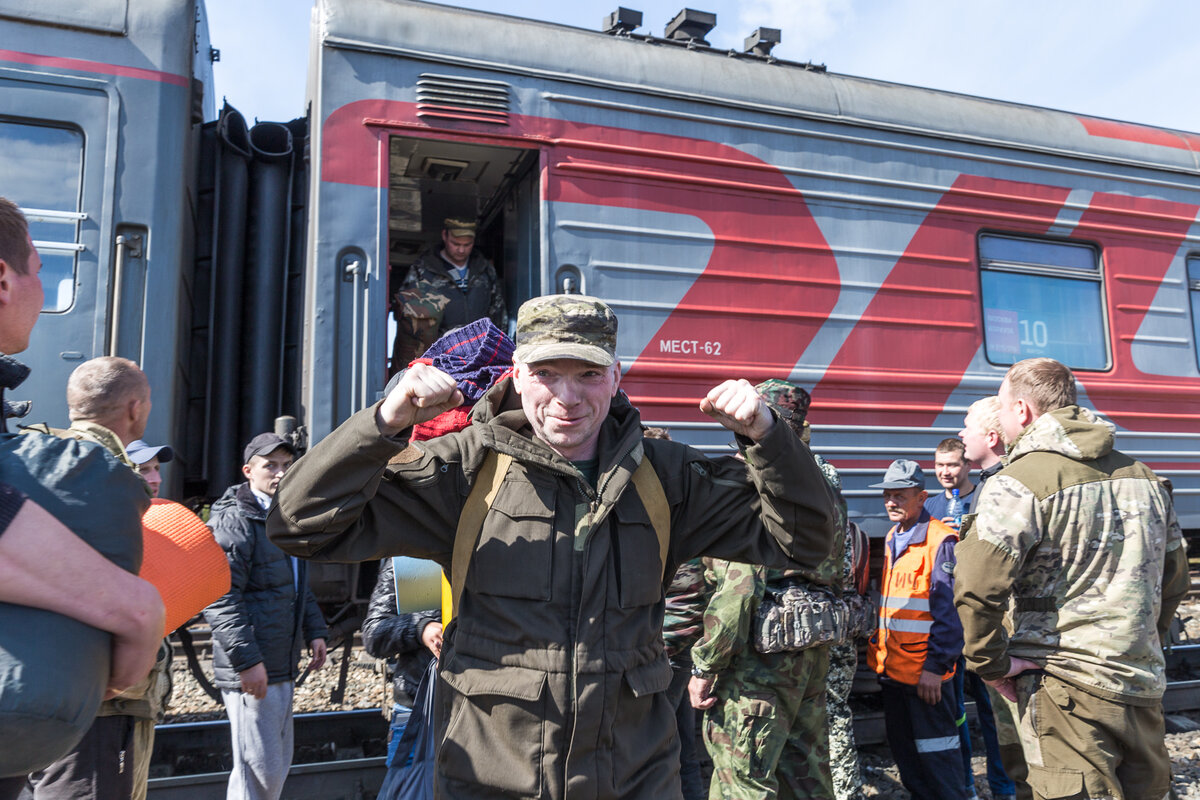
[100,105]
[164,228]
[891,247]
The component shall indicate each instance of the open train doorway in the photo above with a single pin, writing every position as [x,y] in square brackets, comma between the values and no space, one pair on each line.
[431,180]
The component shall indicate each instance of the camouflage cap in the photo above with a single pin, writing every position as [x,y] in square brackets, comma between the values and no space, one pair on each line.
[566,326]
[790,400]
[456,226]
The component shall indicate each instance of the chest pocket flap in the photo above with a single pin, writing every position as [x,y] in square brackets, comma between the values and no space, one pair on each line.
[514,555]
[635,547]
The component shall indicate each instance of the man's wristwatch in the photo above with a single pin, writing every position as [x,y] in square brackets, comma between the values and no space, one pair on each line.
[699,673]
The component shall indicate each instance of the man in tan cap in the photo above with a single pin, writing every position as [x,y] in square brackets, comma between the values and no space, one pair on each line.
[444,290]
[557,523]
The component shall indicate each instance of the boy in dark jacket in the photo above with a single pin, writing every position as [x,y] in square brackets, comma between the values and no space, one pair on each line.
[258,627]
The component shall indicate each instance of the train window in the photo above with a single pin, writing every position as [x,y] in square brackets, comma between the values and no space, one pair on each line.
[1193,276]
[42,166]
[1042,298]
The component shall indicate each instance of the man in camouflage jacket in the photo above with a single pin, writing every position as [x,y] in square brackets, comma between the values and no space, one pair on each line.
[553,672]
[781,696]
[1085,541]
[447,287]
[843,663]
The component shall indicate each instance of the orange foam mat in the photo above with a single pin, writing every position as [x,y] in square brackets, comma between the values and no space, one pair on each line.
[182,559]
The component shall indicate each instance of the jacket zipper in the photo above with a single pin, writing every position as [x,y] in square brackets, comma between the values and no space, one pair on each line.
[593,498]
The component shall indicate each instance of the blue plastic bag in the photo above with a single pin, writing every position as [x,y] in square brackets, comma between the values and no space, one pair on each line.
[410,776]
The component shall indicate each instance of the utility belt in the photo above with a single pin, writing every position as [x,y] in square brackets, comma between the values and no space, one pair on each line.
[797,616]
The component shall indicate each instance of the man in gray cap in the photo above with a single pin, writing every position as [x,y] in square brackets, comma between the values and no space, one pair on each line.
[258,627]
[559,526]
[919,639]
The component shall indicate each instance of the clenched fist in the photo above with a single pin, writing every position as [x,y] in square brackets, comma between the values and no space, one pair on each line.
[738,407]
[422,394]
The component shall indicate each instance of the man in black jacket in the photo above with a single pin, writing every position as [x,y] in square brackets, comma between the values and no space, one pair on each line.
[409,641]
[259,626]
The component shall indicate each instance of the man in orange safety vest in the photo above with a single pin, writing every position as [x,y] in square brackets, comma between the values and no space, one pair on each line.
[919,639]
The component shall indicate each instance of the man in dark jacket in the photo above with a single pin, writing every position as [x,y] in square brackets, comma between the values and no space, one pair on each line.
[553,673]
[409,641]
[259,626]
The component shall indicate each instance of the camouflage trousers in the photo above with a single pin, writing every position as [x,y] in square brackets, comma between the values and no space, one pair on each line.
[769,738]
[843,752]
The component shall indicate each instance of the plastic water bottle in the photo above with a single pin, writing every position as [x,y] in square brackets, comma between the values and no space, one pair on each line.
[954,509]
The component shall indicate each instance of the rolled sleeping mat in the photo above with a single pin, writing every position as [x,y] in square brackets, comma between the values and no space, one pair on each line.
[418,584]
[183,561]
[54,669]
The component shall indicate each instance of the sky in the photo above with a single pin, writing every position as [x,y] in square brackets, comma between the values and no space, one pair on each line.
[1130,60]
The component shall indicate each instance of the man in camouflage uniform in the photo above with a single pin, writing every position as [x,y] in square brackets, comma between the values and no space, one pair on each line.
[843,659]
[1085,541]
[765,724]
[444,290]
[843,663]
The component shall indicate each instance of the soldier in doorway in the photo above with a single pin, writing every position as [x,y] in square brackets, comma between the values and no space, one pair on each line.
[446,287]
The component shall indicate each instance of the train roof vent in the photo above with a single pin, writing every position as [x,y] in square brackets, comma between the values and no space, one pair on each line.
[690,25]
[454,97]
[762,40]
[622,22]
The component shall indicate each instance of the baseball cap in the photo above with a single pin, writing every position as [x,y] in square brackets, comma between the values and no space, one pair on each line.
[265,444]
[902,474]
[566,326]
[139,452]
[456,226]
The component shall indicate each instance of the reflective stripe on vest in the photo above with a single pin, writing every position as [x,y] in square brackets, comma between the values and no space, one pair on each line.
[905,616]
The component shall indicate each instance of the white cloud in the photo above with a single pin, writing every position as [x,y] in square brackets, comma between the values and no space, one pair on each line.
[804,23]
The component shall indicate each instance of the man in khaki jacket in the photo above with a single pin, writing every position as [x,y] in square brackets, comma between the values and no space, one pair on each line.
[553,673]
[108,401]
[1085,541]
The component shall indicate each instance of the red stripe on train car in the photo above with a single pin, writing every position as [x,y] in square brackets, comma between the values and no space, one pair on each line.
[924,351]
[770,266]
[1142,134]
[769,259]
[94,67]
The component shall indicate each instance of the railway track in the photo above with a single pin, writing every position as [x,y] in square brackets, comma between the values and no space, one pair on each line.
[340,754]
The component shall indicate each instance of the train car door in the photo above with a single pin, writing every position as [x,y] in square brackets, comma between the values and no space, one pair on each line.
[54,137]
[431,179]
